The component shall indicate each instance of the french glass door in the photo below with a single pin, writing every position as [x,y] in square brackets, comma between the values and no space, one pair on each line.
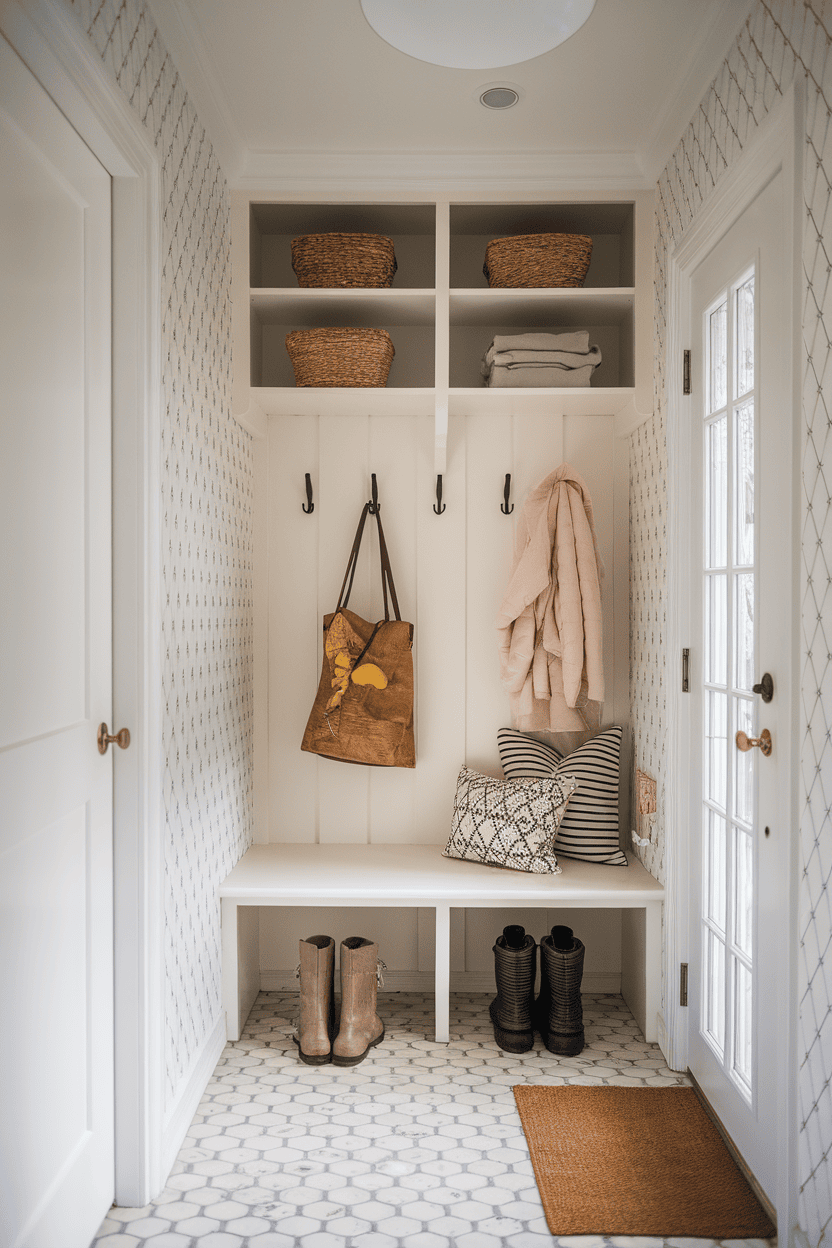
[740,593]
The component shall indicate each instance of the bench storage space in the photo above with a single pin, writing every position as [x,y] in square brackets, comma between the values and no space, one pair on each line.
[418,876]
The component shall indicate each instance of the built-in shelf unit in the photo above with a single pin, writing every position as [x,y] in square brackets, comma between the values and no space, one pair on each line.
[440,312]
[435,416]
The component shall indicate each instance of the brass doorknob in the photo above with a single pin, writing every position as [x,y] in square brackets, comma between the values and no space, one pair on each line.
[121,739]
[744,742]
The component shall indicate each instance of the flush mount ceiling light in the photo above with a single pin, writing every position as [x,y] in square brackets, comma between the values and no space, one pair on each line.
[476,34]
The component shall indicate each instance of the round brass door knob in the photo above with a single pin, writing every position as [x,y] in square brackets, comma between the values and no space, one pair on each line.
[121,738]
[744,742]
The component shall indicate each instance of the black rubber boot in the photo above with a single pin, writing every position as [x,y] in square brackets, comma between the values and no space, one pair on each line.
[515,963]
[558,1012]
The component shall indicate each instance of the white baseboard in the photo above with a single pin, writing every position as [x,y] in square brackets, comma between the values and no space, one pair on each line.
[461,981]
[189,1095]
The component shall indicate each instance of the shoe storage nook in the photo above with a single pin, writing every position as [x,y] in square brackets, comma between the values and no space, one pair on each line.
[356,851]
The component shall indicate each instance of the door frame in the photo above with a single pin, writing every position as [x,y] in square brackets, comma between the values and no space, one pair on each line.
[59,54]
[777,145]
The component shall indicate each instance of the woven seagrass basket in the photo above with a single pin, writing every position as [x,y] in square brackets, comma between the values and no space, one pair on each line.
[348,260]
[340,357]
[538,260]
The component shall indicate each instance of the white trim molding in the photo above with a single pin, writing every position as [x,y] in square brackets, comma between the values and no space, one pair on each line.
[629,418]
[598,982]
[454,174]
[56,50]
[777,145]
[189,1094]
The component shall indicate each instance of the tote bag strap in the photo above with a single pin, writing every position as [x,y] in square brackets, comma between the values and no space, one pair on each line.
[386,570]
[352,562]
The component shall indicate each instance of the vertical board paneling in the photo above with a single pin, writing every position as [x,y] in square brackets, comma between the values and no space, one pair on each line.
[440,650]
[588,447]
[458,938]
[392,457]
[489,545]
[451,573]
[537,450]
[281,927]
[619,703]
[345,486]
[294,627]
[261,452]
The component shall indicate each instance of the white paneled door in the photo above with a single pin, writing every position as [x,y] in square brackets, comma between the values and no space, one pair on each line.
[742,577]
[56,1070]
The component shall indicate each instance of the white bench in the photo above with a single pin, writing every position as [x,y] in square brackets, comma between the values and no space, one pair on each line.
[418,875]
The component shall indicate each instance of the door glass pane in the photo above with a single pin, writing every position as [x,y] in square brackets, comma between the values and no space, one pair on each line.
[743,1005]
[729,620]
[716,734]
[743,890]
[715,989]
[716,491]
[744,484]
[744,762]
[745,338]
[715,883]
[744,616]
[718,358]
[716,637]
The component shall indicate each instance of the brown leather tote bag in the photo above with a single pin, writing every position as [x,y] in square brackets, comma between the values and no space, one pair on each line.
[363,711]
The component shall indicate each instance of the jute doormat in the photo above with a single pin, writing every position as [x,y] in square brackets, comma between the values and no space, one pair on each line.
[635,1161]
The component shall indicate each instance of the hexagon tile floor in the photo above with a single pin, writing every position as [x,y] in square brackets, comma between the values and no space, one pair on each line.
[419,1146]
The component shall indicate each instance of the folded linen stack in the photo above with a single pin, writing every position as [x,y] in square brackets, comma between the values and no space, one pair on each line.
[540,360]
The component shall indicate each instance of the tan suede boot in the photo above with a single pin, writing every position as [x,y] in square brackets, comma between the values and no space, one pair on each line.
[360,1028]
[317,1013]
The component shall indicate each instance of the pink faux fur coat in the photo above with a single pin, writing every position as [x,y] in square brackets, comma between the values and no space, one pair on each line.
[551,656]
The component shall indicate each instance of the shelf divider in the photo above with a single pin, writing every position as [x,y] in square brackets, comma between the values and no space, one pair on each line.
[443,365]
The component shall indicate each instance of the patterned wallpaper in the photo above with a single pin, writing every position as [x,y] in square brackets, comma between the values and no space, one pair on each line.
[779,39]
[207,482]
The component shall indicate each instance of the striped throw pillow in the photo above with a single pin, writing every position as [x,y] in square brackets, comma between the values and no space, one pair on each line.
[589,827]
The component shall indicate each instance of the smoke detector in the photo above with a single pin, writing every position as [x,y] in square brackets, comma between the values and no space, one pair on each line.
[499,97]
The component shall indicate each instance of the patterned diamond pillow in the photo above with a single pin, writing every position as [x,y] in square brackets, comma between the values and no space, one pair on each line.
[589,828]
[508,823]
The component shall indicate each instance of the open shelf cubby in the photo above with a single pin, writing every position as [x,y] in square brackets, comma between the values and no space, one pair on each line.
[440,312]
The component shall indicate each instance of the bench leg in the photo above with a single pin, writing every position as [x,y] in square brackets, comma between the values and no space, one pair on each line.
[442,986]
[230,969]
[652,969]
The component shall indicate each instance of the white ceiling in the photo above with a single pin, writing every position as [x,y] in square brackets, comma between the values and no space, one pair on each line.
[295,91]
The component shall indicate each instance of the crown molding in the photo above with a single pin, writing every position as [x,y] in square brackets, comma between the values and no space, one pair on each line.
[183,40]
[719,31]
[533,173]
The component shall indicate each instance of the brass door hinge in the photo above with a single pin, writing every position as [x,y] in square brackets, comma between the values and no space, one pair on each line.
[683,983]
[686,671]
[686,372]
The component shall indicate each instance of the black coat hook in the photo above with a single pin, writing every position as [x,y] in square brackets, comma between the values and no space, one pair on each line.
[439,506]
[504,507]
[374,503]
[310,505]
